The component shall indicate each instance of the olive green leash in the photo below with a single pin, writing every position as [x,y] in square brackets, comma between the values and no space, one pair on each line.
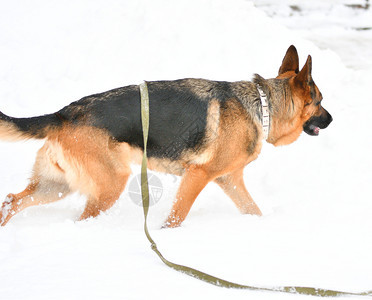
[193,272]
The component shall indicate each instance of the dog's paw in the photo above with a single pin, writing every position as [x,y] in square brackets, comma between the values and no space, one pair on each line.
[6,209]
[171,222]
[251,209]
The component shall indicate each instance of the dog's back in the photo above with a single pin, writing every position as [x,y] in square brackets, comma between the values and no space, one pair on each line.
[178,116]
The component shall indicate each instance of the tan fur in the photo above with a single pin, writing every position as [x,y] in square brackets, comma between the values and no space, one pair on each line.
[81,159]
[230,154]
[9,132]
[233,185]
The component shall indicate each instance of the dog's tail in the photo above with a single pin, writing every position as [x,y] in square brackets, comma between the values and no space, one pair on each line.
[16,129]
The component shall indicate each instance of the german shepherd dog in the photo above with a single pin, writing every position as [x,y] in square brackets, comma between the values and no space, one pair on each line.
[201,130]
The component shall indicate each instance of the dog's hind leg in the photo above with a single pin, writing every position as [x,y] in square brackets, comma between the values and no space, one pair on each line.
[233,185]
[105,176]
[108,194]
[11,205]
[93,164]
[46,185]
[38,192]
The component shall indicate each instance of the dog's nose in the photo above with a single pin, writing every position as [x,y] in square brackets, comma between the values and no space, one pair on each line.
[330,119]
[326,119]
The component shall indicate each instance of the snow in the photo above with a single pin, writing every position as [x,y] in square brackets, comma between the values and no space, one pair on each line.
[330,25]
[314,194]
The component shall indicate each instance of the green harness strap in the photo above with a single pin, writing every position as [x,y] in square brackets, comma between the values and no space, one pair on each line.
[193,272]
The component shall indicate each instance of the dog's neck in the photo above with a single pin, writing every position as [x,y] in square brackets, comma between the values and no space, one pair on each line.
[285,124]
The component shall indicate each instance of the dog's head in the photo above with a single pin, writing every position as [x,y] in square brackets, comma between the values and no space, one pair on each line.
[305,94]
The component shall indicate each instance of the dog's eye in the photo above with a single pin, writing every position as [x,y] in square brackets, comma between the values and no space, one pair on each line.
[318,103]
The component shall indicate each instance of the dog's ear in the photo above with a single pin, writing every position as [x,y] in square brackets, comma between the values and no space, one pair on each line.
[290,61]
[304,77]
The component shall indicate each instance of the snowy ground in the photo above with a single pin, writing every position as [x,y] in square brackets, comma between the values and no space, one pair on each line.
[315,194]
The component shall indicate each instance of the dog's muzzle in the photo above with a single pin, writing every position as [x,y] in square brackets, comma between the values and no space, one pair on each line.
[315,123]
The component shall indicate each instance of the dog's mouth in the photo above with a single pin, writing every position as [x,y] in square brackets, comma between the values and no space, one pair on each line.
[312,130]
[314,124]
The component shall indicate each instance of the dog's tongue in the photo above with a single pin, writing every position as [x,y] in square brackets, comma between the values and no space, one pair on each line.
[316,130]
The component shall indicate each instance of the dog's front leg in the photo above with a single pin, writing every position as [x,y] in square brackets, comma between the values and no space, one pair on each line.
[192,183]
[233,185]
